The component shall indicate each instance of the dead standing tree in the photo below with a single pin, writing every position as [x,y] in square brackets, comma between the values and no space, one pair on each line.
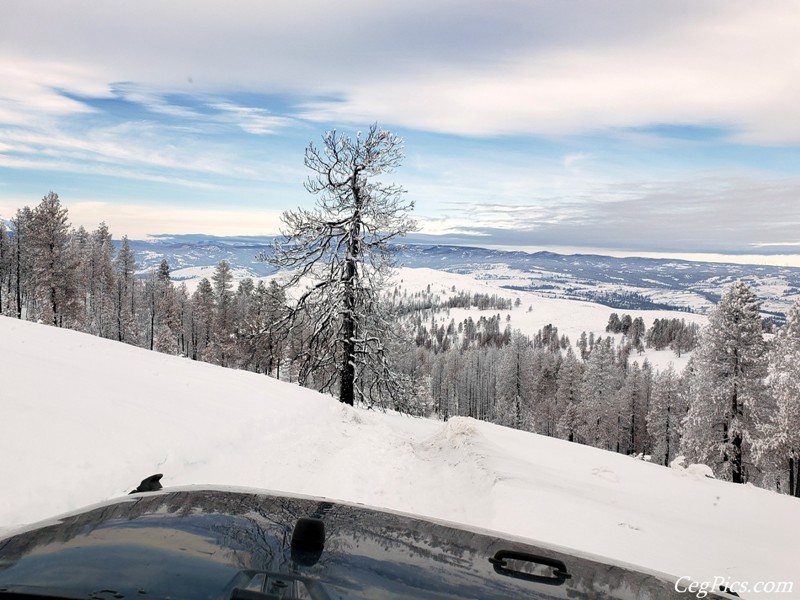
[339,258]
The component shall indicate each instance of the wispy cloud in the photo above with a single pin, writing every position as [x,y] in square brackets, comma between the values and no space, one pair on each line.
[154,102]
[257,121]
[32,90]
[539,68]
[715,213]
[574,159]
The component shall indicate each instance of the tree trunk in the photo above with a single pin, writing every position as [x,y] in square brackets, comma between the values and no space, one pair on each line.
[347,374]
[738,476]
[19,275]
[348,368]
[54,305]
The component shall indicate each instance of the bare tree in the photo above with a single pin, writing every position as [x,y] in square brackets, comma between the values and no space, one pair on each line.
[339,258]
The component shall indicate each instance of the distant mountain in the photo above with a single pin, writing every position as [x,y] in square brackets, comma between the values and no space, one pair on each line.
[624,283]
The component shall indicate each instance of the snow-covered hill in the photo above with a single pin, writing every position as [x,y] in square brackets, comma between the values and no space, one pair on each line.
[622,283]
[84,419]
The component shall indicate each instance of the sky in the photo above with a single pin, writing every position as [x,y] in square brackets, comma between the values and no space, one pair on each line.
[663,127]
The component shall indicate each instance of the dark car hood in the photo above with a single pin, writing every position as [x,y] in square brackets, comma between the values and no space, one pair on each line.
[204,543]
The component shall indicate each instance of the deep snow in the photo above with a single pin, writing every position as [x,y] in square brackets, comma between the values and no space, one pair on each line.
[85,419]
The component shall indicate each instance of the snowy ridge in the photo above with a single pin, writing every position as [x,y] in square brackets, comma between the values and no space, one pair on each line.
[625,283]
[84,419]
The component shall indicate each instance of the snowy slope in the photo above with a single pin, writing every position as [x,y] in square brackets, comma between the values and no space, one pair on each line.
[84,419]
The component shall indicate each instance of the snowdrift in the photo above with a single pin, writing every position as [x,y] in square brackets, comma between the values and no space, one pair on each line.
[85,419]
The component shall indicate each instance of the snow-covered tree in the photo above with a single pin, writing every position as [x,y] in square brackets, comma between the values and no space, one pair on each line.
[267,322]
[568,397]
[632,402]
[667,411]
[545,364]
[223,321]
[338,256]
[100,286]
[728,399]
[6,251]
[781,440]
[125,307]
[515,383]
[202,319]
[52,268]
[599,416]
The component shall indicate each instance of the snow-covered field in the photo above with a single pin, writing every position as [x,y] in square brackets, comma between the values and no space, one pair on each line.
[85,419]
[572,317]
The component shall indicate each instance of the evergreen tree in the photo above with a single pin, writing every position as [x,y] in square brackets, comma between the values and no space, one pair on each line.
[632,404]
[614,325]
[545,383]
[202,319]
[568,397]
[667,411]
[102,283]
[124,306]
[515,383]
[599,418]
[583,346]
[5,268]
[728,394]
[52,269]
[222,324]
[23,223]
[780,444]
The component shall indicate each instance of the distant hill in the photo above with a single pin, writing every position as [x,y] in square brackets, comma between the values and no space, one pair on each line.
[623,283]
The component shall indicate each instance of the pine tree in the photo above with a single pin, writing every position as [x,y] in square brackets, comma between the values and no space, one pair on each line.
[340,252]
[222,324]
[125,307]
[515,383]
[202,319]
[568,397]
[632,403]
[545,364]
[5,267]
[598,415]
[667,411]
[52,269]
[728,398]
[780,443]
[23,223]
[95,254]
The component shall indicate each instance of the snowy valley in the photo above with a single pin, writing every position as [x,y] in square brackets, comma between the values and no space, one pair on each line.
[621,283]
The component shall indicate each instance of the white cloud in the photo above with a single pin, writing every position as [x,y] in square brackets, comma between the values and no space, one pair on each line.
[573,159]
[32,90]
[509,67]
[252,120]
[154,102]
